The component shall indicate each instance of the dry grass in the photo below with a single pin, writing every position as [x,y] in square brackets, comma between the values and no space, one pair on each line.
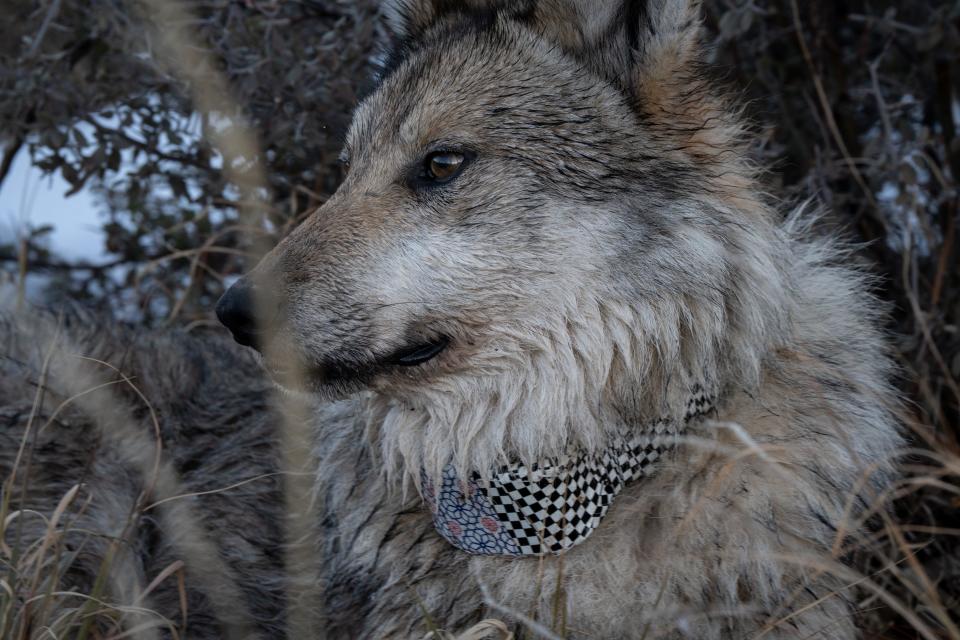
[899,595]
[38,550]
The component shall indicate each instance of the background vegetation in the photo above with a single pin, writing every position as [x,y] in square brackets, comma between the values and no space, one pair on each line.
[857,105]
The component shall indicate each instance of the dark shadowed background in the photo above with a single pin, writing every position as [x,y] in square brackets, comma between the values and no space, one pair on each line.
[856,105]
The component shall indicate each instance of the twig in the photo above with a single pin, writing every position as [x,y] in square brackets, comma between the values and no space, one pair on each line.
[828,114]
[54,265]
[529,623]
[943,260]
[8,156]
[926,332]
[22,264]
[41,34]
[878,95]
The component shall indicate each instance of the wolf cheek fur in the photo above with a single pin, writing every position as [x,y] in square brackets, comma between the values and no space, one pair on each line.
[603,245]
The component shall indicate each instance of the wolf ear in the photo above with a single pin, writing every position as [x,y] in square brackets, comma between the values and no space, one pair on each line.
[409,19]
[636,43]
[666,42]
[640,44]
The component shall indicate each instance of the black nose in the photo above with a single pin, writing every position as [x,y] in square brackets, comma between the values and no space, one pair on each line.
[236,311]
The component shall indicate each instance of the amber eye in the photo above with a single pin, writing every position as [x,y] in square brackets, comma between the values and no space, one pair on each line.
[443,166]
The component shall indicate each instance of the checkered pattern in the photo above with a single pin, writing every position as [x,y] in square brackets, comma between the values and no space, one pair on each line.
[550,506]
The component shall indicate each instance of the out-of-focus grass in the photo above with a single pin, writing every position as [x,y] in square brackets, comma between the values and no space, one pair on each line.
[38,599]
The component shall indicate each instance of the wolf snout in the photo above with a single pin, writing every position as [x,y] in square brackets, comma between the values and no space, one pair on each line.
[237,311]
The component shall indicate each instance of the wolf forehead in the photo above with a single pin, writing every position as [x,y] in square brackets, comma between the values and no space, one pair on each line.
[491,81]
[468,79]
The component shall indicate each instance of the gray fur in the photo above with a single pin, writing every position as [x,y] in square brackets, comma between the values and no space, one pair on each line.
[608,245]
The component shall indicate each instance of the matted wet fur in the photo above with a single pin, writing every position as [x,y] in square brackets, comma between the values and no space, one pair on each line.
[603,243]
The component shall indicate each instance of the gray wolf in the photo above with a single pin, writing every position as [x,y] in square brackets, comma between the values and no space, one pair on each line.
[550,231]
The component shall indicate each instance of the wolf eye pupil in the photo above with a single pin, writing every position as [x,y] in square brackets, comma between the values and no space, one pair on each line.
[443,166]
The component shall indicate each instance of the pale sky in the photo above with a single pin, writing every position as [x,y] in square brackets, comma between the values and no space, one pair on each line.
[26,196]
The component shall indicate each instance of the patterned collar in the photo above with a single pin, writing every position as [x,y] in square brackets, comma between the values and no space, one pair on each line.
[553,505]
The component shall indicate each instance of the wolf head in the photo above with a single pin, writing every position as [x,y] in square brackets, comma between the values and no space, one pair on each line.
[548,230]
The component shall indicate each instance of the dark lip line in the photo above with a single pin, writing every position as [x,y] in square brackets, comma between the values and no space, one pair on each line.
[408,357]
[413,356]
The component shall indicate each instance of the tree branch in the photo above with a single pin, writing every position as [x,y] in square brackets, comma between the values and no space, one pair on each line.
[8,155]
[57,265]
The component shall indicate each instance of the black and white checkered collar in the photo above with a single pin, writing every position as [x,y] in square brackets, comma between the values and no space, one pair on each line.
[551,506]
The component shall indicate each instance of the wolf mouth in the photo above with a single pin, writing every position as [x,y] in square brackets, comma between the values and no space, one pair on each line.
[338,373]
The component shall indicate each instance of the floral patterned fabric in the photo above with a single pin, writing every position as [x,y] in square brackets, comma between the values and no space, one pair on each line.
[465,518]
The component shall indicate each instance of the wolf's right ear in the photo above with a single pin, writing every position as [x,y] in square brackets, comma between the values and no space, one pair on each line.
[406,19]
[410,19]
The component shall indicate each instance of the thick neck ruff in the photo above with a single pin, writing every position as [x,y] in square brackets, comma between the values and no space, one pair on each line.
[552,505]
